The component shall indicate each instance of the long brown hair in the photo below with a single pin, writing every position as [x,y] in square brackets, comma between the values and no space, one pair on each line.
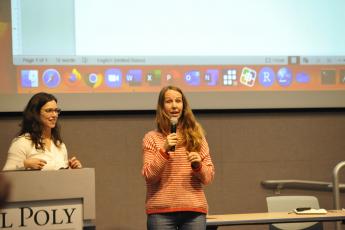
[192,131]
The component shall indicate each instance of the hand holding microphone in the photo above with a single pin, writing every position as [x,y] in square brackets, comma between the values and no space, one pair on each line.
[194,158]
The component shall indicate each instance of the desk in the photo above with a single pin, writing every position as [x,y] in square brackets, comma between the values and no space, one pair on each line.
[213,221]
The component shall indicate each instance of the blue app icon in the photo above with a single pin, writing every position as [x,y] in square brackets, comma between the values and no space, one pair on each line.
[211,76]
[284,76]
[113,78]
[302,77]
[266,76]
[134,77]
[51,78]
[29,78]
[192,77]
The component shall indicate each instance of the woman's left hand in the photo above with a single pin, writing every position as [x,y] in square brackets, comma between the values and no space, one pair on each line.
[193,157]
[74,163]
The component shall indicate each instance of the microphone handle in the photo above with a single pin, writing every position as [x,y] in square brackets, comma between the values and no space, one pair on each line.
[172,148]
[173,130]
[195,165]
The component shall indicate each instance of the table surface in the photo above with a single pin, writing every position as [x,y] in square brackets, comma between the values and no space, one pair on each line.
[273,217]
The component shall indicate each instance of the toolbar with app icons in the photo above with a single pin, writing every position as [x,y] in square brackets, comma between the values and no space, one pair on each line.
[79,79]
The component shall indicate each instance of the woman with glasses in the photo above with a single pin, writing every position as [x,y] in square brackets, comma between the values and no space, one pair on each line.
[38,145]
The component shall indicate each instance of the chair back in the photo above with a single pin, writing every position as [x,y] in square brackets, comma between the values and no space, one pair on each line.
[289,203]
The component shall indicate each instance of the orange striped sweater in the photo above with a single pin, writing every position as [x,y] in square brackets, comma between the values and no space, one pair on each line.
[172,185]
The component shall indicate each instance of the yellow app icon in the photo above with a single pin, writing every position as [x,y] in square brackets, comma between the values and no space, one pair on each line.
[73,78]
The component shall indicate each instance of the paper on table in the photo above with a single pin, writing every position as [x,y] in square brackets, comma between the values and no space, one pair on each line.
[312,211]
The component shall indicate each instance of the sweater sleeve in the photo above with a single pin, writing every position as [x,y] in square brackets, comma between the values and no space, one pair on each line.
[206,171]
[17,153]
[154,159]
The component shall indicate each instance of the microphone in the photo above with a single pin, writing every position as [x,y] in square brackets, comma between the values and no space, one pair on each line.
[173,124]
[195,165]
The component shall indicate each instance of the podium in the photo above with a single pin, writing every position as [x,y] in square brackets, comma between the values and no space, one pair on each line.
[62,199]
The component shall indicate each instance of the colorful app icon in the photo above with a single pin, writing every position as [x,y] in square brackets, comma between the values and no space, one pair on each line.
[73,77]
[328,77]
[192,78]
[266,76]
[230,77]
[284,76]
[51,78]
[248,77]
[169,78]
[302,77]
[29,78]
[211,77]
[154,77]
[93,80]
[113,78]
[342,76]
[134,77]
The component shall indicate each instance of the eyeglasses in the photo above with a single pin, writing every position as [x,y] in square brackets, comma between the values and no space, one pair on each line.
[57,110]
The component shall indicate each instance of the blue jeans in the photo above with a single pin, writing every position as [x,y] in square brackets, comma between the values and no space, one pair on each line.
[176,220]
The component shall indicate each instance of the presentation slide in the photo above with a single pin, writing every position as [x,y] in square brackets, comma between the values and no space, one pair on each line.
[224,54]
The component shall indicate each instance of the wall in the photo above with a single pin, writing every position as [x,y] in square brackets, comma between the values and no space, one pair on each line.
[247,147]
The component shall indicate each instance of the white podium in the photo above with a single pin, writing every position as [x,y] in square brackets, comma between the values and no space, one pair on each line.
[63,199]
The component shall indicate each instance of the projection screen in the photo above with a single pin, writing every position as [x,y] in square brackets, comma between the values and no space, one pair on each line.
[225,54]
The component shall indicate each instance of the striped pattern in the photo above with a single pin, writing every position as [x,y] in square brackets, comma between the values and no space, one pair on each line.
[172,185]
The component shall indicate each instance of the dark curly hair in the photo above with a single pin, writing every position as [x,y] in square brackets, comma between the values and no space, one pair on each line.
[32,124]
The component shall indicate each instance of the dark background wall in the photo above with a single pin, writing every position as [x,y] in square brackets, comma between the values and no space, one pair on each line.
[247,147]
